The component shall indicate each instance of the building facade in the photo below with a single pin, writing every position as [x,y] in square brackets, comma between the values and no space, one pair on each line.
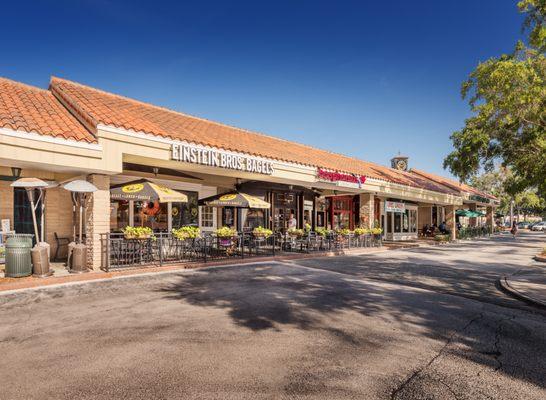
[75,131]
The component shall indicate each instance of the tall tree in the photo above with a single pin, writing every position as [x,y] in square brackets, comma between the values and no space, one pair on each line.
[507,96]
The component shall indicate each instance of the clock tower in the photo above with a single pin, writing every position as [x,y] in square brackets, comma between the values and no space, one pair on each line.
[399,162]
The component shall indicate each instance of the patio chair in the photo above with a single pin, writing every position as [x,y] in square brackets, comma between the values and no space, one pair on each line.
[60,241]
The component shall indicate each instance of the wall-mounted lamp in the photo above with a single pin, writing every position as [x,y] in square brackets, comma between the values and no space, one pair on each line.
[16,173]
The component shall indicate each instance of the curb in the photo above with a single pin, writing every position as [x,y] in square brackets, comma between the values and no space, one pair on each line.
[507,288]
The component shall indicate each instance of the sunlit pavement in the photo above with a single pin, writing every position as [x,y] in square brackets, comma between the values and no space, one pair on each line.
[407,324]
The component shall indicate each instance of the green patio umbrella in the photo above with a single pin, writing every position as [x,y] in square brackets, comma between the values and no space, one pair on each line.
[464,213]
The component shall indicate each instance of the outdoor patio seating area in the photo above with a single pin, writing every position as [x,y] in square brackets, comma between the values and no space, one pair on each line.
[118,251]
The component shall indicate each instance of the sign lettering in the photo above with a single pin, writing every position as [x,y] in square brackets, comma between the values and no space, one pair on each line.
[221,159]
[395,206]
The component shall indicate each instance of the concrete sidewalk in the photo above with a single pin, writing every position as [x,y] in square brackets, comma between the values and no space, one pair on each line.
[529,286]
[63,277]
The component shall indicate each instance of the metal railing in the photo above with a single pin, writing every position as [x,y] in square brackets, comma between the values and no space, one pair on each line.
[164,248]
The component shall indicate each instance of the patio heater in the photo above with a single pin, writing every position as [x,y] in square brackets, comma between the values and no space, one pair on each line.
[40,252]
[77,250]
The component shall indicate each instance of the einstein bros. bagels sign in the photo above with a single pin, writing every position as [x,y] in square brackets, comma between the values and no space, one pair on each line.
[221,159]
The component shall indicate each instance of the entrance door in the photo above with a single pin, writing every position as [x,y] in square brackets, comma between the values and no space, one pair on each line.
[22,213]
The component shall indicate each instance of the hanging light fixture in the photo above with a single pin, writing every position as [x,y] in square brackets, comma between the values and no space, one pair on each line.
[16,172]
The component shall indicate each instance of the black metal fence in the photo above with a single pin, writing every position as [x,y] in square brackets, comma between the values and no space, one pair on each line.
[164,248]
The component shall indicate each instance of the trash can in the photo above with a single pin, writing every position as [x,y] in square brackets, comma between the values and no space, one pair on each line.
[18,259]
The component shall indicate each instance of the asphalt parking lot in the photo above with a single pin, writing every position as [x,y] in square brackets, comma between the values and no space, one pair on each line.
[315,329]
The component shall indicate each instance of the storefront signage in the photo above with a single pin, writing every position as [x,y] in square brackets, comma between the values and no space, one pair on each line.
[479,199]
[395,206]
[330,176]
[222,159]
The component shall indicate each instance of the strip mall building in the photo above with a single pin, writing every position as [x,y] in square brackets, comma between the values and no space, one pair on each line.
[72,130]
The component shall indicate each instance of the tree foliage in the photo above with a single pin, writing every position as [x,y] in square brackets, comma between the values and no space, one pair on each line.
[498,183]
[507,96]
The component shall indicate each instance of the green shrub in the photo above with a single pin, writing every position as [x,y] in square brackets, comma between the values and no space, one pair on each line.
[361,231]
[442,238]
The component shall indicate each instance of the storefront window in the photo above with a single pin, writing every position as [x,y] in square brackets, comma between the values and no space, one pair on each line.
[285,206]
[405,221]
[207,217]
[151,214]
[413,220]
[119,215]
[342,212]
[228,216]
[342,220]
[397,222]
[186,213]
[253,219]
[321,208]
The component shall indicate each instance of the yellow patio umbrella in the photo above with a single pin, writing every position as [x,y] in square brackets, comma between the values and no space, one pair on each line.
[144,190]
[235,199]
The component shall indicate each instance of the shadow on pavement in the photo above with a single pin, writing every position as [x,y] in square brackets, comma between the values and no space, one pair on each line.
[262,297]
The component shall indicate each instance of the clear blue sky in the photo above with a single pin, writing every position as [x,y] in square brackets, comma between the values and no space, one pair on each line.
[363,78]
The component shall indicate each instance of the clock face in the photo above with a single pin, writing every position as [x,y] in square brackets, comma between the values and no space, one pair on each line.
[401,164]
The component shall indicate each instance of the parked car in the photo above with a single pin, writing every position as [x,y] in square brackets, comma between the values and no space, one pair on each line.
[524,225]
[540,226]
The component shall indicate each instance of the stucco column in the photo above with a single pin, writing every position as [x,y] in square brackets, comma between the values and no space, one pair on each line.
[490,218]
[450,222]
[98,218]
[366,210]
[473,221]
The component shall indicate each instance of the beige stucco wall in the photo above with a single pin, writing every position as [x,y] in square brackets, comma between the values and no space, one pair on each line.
[424,216]
[6,201]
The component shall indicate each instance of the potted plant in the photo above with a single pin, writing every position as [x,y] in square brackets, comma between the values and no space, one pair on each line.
[361,231]
[376,232]
[226,234]
[322,231]
[262,232]
[343,231]
[307,228]
[186,232]
[294,232]
[138,232]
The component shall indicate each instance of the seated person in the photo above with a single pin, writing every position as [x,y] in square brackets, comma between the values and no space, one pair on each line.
[443,228]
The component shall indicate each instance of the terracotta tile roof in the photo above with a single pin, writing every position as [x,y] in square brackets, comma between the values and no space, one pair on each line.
[34,110]
[453,184]
[99,107]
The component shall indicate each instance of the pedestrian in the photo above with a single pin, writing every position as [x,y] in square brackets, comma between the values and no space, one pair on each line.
[514,230]
[292,222]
